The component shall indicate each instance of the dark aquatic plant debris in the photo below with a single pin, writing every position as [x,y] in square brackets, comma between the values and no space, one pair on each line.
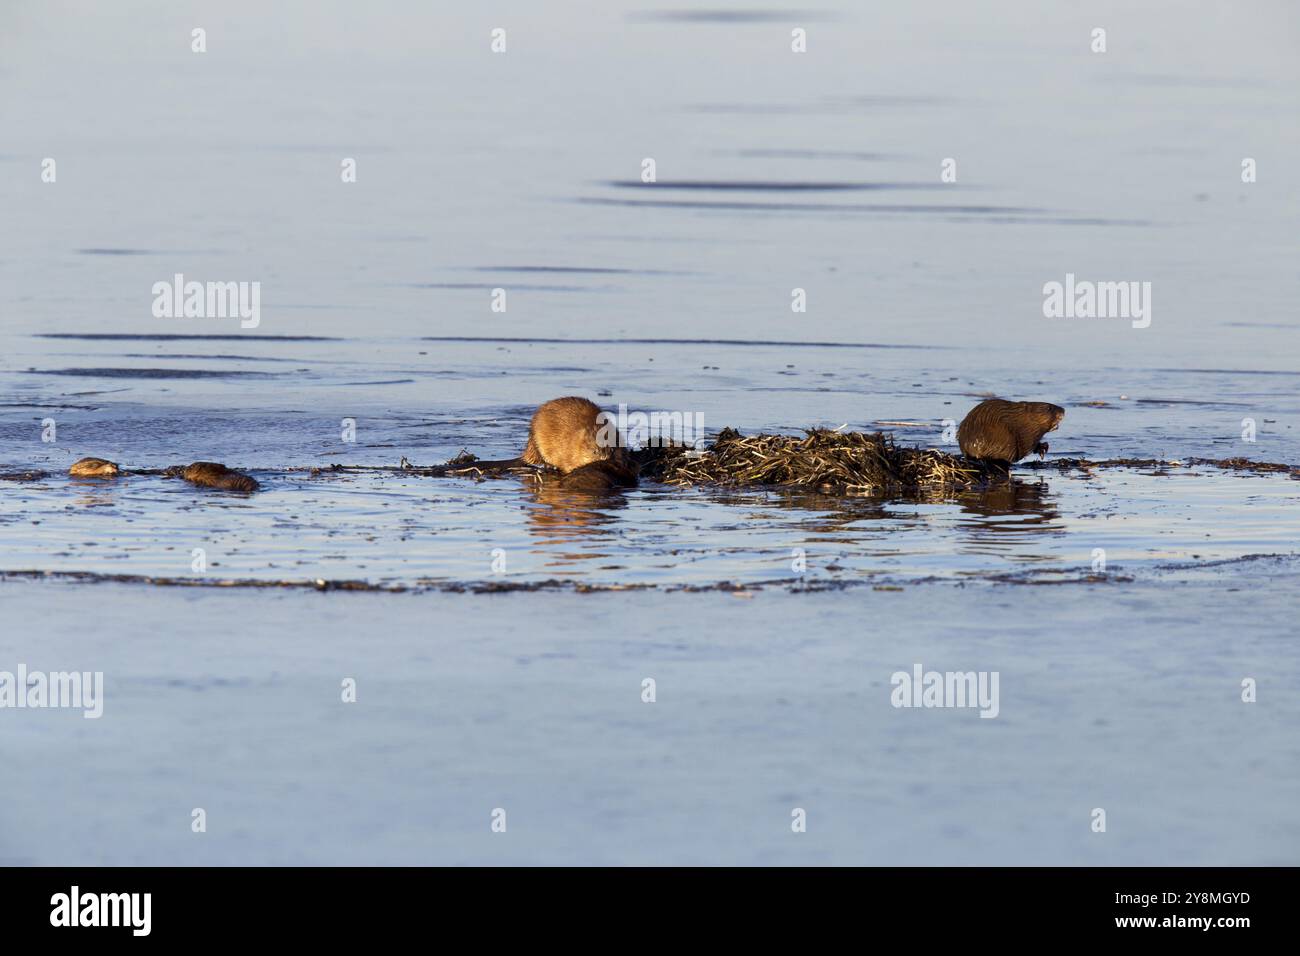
[23,475]
[848,463]
[96,577]
[567,585]
[1227,464]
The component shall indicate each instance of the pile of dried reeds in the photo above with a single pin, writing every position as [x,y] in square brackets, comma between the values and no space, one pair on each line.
[823,460]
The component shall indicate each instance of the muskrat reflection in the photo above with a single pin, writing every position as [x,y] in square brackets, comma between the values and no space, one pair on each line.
[1008,514]
[568,508]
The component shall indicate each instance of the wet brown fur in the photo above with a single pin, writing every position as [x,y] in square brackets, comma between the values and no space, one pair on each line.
[997,430]
[599,477]
[94,468]
[564,434]
[211,474]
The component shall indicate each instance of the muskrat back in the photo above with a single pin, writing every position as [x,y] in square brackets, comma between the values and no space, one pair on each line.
[999,430]
[568,433]
[94,468]
[212,474]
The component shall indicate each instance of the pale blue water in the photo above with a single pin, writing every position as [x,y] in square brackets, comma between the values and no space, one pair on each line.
[775,171]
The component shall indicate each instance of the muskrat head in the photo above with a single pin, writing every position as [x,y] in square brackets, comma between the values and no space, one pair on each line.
[94,468]
[621,457]
[1050,413]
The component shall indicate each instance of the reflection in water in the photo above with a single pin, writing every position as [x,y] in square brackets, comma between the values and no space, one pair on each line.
[560,515]
[1007,515]
[403,528]
[95,492]
[1007,518]
[834,512]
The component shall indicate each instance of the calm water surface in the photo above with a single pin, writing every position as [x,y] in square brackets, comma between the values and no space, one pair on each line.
[775,172]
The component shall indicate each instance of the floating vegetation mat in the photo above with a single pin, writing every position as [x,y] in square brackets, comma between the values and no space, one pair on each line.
[826,461]
[844,463]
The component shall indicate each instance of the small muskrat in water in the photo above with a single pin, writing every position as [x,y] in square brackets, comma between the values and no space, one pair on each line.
[94,468]
[212,474]
[998,430]
[568,434]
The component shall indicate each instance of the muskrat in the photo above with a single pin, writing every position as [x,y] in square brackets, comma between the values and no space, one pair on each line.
[94,468]
[568,434]
[213,474]
[1007,431]
[599,477]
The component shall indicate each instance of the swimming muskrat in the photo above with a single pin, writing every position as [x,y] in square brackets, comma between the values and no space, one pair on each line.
[998,430]
[568,434]
[94,468]
[213,474]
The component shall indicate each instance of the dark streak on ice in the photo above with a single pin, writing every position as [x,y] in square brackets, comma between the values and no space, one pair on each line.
[770,186]
[150,373]
[129,337]
[765,342]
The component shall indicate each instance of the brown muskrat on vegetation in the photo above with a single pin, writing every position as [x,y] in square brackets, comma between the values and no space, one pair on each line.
[94,468]
[211,474]
[571,433]
[998,430]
